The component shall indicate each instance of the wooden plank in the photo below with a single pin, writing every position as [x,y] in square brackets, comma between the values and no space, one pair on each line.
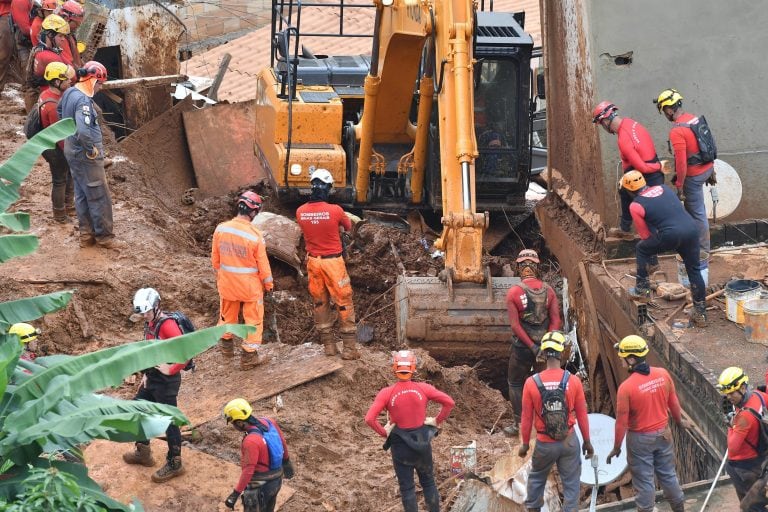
[148,81]
[290,366]
[221,142]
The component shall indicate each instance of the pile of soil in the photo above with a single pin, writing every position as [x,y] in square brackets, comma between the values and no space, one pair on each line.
[340,464]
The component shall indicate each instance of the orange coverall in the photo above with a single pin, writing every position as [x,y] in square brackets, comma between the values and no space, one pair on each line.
[239,256]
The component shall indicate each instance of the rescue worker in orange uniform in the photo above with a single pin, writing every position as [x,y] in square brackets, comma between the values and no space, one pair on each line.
[409,431]
[533,311]
[328,279]
[243,274]
[637,152]
[744,464]
[644,403]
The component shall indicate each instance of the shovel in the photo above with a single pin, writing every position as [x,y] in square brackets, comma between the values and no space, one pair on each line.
[364,332]
[273,316]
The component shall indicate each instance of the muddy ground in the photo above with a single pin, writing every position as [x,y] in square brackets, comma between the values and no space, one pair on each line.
[340,464]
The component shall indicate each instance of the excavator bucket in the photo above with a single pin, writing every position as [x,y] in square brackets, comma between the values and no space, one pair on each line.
[458,323]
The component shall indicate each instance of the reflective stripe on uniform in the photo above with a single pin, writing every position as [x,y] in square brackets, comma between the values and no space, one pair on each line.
[268,280]
[240,270]
[237,232]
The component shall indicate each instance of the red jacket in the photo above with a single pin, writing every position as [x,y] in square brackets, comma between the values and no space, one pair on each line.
[320,221]
[168,329]
[406,401]
[5,8]
[516,304]
[683,144]
[49,98]
[644,403]
[20,11]
[531,414]
[636,148]
[254,456]
[744,432]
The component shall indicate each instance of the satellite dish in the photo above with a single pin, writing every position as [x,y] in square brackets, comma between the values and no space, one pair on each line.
[601,430]
[728,189]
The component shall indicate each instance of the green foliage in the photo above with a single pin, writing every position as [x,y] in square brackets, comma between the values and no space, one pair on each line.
[50,406]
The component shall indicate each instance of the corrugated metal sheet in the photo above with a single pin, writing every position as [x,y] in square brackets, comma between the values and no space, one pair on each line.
[250,53]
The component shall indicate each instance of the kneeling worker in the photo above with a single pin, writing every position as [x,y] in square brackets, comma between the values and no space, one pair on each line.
[553,400]
[664,225]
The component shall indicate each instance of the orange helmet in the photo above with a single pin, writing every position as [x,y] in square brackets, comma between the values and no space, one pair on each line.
[633,181]
[604,110]
[49,5]
[403,364]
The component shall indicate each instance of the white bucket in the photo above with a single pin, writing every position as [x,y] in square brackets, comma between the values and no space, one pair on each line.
[737,292]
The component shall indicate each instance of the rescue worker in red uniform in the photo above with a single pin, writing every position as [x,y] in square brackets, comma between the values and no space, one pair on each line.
[565,450]
[7,43]
[691,171]
[258,485]
[159,384]
[243,274]
[22,14]
[328,279]
[47,7]
[533,311]
[28,338]
[744,464]
[58,76]
[644,403]
[664,225]
[637,152]
[73,13]
[409,432]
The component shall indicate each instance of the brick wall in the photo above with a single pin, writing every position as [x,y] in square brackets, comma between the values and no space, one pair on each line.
[211,18]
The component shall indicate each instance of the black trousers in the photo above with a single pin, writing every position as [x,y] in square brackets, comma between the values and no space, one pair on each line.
[263,497]
[686,245]
[164,394]
[652,179]
[406,460]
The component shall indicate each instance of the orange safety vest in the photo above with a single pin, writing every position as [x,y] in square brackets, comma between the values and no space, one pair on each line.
[239,254]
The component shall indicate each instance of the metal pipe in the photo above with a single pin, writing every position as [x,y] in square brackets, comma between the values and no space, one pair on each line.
[466,197]
[714,482]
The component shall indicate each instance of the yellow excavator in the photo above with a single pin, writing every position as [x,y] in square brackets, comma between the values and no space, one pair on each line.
[437,117]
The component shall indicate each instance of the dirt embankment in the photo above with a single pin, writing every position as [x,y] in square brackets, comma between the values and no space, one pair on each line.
[340,464]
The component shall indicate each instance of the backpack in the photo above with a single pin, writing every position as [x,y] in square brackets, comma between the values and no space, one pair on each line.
[554,409]
[536,311]
[762,437]
[272,439]
[34,124]
[185,325]
[707,148]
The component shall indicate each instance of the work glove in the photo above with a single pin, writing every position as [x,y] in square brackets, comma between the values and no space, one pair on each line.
[681,195]
[431,421]
[231,500]
[587,449]
[388,428]
[614,453]
[288,469]
[535,349]
[712,180]
[686,424]
[93,154]
[269,296]
[523,450]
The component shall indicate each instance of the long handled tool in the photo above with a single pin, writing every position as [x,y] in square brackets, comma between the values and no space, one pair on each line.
[714,482]
[593,499]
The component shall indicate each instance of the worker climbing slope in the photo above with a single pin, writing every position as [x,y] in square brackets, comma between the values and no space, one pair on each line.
[553,401]
[637,153]
[644,403]
[409,432]
[664,225]
[243,274]
[27,335]
[264,459]
[745,463]
[328,278]
[533,311]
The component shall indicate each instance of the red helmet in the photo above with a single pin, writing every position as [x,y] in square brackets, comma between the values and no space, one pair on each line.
[250,199]
[603,110]
[72,9]
[527,255]
[93,69]
[403,364]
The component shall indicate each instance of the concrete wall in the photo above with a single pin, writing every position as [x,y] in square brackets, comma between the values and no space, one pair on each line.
[712,52]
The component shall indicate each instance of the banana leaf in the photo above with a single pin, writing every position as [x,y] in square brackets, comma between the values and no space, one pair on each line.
[15,246]
[13,484]
[10,350]
[14,170]
[107,368]
[15,221]
[32,308]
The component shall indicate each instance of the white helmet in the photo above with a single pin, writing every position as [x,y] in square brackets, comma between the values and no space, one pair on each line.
[145,300]
[322,175]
